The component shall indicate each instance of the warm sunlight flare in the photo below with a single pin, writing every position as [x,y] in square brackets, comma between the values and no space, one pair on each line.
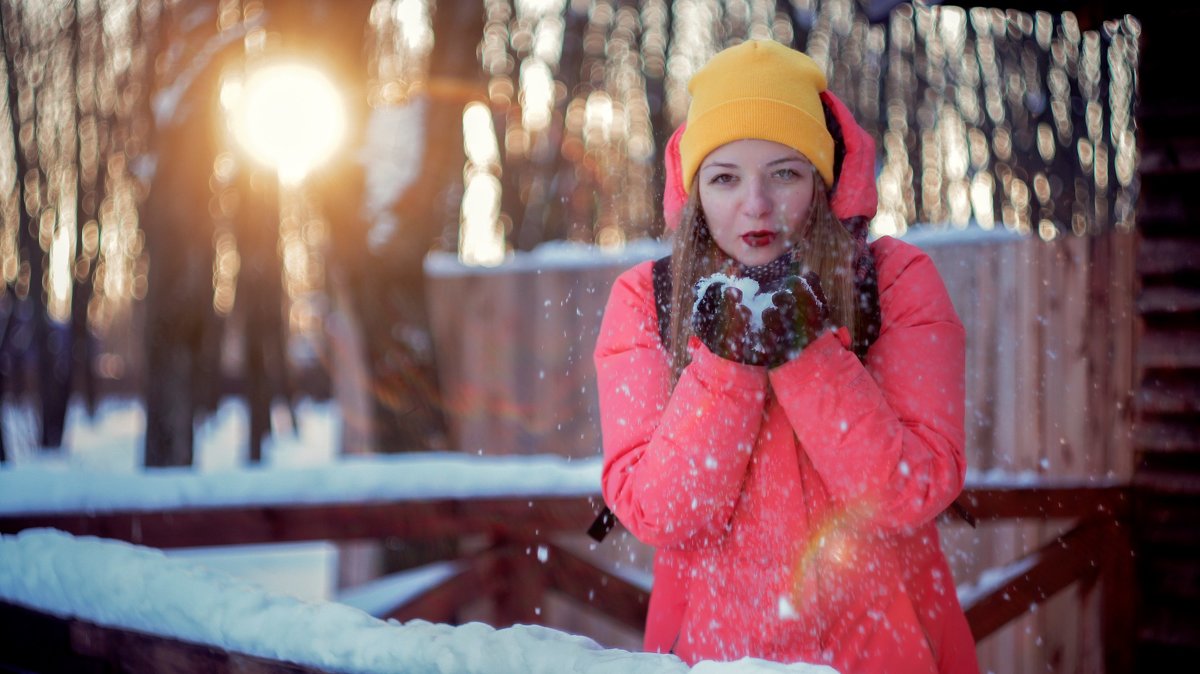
[288,116]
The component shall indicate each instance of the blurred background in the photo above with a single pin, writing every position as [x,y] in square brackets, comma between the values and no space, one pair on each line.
[406,214]
[239,196]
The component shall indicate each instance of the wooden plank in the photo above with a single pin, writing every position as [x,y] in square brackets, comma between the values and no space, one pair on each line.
[49,644]
[1075,556]
[440,604]
[412,520]
[256,524]
[32,641]
[1121,331]
[565,327]
[1157,396]
[518,375]
[1029,420]
[1167,435]
[1068,448]
[987,348]
[508,341]
[520,596]
[1168,300]
[528,517]
[1118,603]
[446,328]
[1170,350]
[1167,483]
[1168,256]
[592,586]
[1041,503]
[134,652]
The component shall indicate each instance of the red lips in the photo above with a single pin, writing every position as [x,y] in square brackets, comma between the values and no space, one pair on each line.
[759,238]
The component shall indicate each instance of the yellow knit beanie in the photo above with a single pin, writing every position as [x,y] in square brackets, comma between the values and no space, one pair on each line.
[758,89]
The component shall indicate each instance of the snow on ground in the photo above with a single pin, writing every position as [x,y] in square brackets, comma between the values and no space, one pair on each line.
[122,585]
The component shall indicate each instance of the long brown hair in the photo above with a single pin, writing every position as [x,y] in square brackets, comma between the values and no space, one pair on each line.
[822,244]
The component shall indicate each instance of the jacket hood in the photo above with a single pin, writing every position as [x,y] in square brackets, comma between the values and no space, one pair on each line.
[853,194]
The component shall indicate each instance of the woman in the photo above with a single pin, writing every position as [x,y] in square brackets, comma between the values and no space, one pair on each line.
[783,419]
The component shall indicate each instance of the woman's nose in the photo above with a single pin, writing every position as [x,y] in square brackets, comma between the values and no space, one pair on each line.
[757,202]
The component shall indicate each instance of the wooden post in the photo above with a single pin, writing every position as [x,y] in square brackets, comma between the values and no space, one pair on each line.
[520,598]
[1118,600]
[1066,450]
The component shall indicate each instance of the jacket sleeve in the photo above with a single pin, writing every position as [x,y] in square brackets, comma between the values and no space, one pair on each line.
[674,461]
[887,439]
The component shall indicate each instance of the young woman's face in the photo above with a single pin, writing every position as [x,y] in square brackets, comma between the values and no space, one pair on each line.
[755,194]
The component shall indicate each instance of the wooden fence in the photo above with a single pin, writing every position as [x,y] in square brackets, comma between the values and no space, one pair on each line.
[1050,373]
[1050,378]
[523,557]
[514,350]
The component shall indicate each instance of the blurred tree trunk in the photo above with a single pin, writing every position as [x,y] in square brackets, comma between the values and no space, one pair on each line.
[29,175]
[9,364]
[89,174]
[260,299]
[411,417]
[8,305]
[179,231]
[333,33]
[656,97]
[548,216]
[51,341]
[383,288]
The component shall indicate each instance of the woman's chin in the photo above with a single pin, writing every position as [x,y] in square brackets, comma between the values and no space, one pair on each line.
[753,256]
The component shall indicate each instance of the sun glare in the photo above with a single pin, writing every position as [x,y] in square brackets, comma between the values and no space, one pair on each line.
[287,116]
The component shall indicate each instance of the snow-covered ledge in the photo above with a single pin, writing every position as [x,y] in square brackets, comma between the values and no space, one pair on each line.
[395,477]
[132,587]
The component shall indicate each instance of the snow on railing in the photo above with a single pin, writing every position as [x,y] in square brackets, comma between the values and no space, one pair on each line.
[993,578]
[399,477]
[132,587]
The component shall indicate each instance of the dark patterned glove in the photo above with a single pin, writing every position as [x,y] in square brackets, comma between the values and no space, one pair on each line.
[724,323]
[798,314]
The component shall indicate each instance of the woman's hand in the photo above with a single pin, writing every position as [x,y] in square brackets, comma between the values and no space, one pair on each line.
[755,322]
[725,320]
[798,314]
[724,323]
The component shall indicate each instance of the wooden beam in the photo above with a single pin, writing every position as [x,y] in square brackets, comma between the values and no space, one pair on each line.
[1118,601]
[1045,502]
[241,525]
[423,520]
[592,586]
[522,587]
[1077,555]
[36,642]
[440,604]
[81,646]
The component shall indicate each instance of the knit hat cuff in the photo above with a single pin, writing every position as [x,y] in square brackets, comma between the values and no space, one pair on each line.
[760,118]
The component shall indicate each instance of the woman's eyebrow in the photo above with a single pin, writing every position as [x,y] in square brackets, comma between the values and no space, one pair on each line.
[785,160]
[773,162]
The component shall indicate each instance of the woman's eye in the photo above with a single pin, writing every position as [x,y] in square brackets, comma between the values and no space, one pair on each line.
[787,174]
[721,179]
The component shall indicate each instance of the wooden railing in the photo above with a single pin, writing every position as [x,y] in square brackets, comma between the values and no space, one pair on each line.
[1096,548]
[507,568]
